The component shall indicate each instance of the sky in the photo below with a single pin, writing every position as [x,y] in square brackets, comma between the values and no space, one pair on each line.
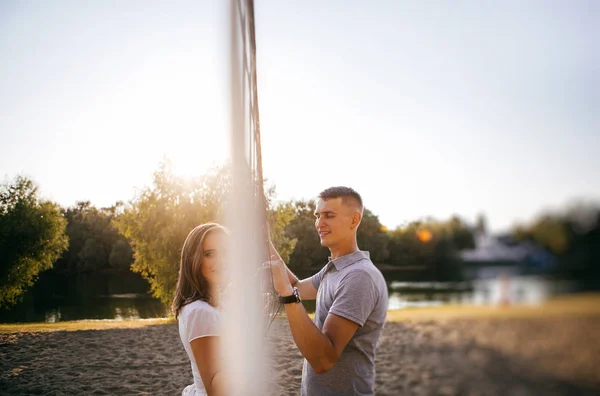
[425,108]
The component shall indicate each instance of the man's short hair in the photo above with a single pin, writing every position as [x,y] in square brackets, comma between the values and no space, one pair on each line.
[348,195]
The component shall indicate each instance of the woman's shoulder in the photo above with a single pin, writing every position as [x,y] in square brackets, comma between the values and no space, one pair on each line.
[199,319]
[198,306]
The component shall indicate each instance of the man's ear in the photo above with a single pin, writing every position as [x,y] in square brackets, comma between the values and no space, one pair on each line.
[356,218]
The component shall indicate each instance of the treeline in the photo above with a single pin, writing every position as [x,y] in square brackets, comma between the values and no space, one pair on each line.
[146,235]
[32,237]
[573,237]
[95,244]
[431,247]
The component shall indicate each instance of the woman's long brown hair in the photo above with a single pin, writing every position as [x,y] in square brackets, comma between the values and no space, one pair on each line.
[191,284]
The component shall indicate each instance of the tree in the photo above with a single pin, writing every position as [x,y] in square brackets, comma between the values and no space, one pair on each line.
[121,255]
[157,222]
[573,237]
[279,216]
[461,234]
[432,245]
[92,256]
[32,237]
[92,238]
[308,251]
[372,237]
[549,231]
[411,245]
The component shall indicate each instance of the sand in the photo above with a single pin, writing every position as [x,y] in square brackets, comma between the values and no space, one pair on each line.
[553,356]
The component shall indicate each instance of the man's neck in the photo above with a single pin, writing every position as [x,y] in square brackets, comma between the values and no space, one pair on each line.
[343,249]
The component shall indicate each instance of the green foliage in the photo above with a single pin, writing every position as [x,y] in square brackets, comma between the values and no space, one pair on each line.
[550,231]
[121,255]
[308,251]
[32,237]
[573,236]
[92,255]
[431,245]
[279,216]
[92,238]
[372,237]
[160,218]
[461,234]
[405,249]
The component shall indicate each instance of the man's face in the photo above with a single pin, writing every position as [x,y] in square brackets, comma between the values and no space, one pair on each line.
[333,221]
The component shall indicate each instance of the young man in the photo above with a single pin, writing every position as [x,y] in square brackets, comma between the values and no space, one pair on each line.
[351,293]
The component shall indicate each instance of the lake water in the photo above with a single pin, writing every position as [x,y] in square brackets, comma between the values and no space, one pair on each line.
[54,298]
[520,290]
[125,296]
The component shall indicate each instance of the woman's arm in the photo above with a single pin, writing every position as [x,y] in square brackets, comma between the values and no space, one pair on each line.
[208,359]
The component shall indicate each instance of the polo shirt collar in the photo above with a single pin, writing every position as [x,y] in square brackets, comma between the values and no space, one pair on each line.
[349,259]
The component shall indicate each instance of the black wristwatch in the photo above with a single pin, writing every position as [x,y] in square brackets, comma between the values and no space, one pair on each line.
[294,298]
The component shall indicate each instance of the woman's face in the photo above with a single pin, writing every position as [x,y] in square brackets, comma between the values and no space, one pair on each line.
[213,257]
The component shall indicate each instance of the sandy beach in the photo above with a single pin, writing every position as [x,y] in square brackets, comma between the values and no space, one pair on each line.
[457,356]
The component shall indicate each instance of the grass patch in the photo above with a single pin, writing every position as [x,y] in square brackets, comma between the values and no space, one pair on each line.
[570,305]
[82,325]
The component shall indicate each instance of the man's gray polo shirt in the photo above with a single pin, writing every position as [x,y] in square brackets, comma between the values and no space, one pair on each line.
[353,288]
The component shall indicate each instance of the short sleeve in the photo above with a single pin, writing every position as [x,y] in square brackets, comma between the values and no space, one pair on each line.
[202,321]
[318,277]
[355,297]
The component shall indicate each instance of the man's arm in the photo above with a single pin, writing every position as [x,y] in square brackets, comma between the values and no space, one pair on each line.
[305,286]
[320,348]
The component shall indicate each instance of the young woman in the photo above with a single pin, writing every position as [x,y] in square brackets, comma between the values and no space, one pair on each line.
[196,306]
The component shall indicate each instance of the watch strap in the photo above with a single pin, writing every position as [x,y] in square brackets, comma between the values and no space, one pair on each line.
[294,298]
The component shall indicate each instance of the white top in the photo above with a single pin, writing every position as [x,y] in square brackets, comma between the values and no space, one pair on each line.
[196,320]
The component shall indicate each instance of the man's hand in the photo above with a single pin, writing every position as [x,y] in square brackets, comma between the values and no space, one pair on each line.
[273,251]
[281,282]
[305,286]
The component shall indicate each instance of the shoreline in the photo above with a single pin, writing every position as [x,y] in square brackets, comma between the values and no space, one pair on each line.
[582,304]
